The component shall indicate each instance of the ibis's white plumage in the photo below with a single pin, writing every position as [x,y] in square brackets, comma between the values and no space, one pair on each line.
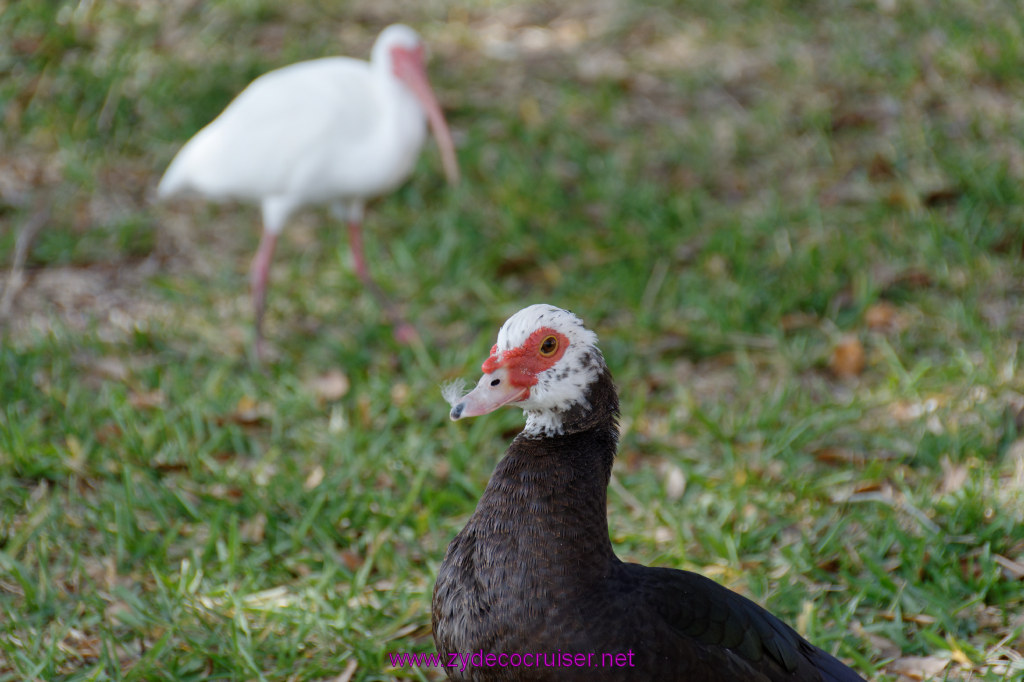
[335,130]
[294,135]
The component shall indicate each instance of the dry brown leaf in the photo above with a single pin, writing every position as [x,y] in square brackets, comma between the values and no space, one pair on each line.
[147,400]
[1015,465]
[81,644]
[881,168]
[675,482]
[910,278]
[1012,570]
[530,113]
[958,656]
[400,393]
[364,412]
[103,571]
[882,487]
[248,412]
[253,529]
[793,321]
[111,368]
[107,433]
[77,456]
[348,672]
[836,455]
[919,618]
[919,667]
[953,476]
[351,560]
[882,316]
[170,467]
[246,403]
[331,385]
[940,196]
[848,358]
[315,478]
[114,609]
[902,411]
[222,491]
[882,647]
[442,469]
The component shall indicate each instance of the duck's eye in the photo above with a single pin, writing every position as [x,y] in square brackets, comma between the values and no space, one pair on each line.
[548,346]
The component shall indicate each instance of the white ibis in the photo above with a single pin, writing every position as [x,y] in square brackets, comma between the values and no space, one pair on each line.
[335,131]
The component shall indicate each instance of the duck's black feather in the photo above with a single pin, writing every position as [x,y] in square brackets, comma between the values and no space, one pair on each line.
[533,571]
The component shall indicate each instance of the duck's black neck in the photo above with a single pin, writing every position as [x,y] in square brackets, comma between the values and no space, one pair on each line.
[546,503]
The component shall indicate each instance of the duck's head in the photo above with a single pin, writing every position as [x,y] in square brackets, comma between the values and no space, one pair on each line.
[545,362]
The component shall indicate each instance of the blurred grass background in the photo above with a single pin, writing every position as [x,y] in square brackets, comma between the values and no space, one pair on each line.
[796,227]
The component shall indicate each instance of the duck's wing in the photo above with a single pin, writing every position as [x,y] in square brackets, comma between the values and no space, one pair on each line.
[730,632]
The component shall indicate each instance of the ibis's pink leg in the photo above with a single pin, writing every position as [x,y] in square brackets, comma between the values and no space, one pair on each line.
[258,275]
[355,241]
[404,332]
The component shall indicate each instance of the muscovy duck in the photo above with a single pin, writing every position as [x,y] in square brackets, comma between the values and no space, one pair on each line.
[531,588]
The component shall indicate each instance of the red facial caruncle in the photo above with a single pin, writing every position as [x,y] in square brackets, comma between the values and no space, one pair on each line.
[538,353]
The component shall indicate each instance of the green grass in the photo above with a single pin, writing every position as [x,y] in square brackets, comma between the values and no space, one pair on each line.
[723,191]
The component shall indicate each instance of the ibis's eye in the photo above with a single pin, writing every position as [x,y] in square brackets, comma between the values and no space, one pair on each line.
[548,346]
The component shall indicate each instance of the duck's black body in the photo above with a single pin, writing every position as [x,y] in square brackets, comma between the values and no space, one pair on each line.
[534,572]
